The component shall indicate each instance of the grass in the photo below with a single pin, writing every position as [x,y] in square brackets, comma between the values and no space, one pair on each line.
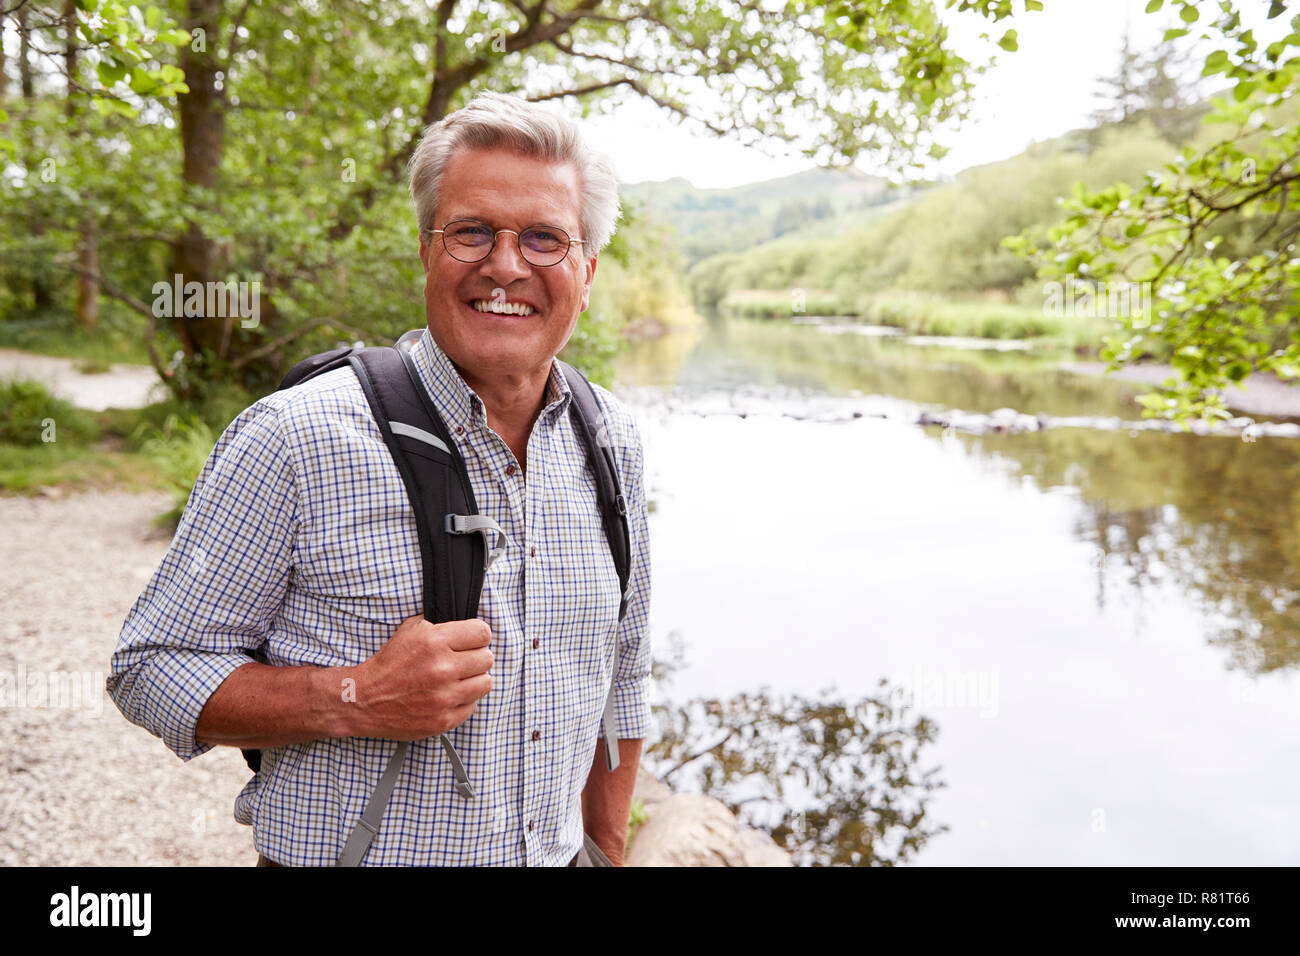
[781,303]
[924,314]
[47,442]
[918,313]
[57,334]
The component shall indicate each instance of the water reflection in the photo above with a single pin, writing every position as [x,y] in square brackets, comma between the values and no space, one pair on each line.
[1132,594]
[1215,515]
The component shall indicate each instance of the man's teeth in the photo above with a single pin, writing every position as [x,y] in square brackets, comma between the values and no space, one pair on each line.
[502,308]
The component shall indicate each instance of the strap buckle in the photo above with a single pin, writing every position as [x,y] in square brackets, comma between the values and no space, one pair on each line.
[485,525]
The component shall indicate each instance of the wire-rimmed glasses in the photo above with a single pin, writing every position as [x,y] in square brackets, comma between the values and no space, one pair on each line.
[469,240]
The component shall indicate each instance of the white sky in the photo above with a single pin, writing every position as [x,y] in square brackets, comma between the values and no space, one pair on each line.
[1043,89]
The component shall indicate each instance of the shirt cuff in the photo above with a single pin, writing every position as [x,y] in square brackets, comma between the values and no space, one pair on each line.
[166,693]
[632,708]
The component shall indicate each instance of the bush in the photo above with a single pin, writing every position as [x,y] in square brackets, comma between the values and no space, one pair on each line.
[179,450]
[27,410]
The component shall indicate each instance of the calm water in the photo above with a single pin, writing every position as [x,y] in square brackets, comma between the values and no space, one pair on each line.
[1104,625]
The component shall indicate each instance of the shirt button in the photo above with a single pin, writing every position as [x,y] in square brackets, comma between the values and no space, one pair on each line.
[535,643]
[533,552]
[537,735]
[460,430]
[510,469]
[530,824]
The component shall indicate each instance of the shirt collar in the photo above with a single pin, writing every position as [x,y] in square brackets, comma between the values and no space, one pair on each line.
[459,404]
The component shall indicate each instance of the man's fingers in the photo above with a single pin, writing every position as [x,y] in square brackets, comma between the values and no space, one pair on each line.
[468,635]
[472,663]
[474,688]
[462,714]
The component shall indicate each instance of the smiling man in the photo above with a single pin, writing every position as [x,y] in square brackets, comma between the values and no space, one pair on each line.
[286,613]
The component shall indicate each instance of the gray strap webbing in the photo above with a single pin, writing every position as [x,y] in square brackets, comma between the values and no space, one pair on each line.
[368,825]
[419,434]
[463,786]
[354,850]
[611,734]
[485,525]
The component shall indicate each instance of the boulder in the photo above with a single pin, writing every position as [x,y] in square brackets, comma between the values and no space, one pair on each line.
[687,829]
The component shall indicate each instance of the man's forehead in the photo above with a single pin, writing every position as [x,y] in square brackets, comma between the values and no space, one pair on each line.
[491,184]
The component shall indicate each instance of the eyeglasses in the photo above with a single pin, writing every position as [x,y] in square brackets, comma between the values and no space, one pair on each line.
[469,240]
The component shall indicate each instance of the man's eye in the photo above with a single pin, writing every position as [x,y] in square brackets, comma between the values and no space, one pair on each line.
[545,239]
[471,232]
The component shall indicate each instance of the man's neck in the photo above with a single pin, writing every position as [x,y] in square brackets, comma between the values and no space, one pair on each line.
[512,404]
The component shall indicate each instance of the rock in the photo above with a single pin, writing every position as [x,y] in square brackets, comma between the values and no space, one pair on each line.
[648,789]
[688,829]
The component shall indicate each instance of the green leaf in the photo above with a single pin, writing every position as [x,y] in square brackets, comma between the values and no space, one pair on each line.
[1189,14]
[1216,62]
[1008,41]
[110,71]
[1155,5]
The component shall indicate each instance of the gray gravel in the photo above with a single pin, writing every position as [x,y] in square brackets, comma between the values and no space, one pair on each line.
[121,386]
[79,785]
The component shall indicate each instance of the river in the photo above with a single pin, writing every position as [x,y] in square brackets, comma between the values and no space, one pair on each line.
[1103,624]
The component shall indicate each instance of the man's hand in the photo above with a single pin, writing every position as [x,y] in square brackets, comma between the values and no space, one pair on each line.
[426,680]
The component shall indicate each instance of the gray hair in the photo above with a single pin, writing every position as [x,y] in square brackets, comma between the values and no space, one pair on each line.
[493,120]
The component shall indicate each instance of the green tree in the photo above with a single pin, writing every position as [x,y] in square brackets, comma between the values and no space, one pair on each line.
[1211,233]
[1152,86]
[281,160]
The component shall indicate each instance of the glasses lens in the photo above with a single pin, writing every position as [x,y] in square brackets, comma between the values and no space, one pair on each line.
[543,246]
[467,240]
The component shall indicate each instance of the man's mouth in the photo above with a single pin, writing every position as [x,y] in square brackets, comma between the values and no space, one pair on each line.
[495,307]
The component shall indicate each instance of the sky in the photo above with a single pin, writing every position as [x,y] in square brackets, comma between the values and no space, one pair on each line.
[1044,89]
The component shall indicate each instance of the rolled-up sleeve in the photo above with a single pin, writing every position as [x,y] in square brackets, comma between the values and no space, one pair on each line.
[209,605]
[632,675]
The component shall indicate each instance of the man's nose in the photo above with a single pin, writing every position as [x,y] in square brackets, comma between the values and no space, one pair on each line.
[506,260]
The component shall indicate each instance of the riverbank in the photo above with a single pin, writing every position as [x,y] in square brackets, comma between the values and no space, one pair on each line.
[1265,396]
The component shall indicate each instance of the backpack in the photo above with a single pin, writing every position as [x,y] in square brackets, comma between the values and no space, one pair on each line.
[455,545]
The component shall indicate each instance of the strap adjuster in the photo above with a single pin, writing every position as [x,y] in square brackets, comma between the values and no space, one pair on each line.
[468,524]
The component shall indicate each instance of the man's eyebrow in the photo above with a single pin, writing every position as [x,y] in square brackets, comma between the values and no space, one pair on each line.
[453,217]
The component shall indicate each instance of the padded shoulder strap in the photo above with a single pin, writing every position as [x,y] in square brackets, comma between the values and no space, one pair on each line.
[435,478]
[589,423]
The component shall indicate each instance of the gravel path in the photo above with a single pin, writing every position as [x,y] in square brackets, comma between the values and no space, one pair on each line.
[122,386]
[79,785]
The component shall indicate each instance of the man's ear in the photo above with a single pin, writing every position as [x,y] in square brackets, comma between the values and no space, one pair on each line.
[586,289]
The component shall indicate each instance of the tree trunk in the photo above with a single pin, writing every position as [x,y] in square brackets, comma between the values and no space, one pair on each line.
[88,242]
[4,79]
[87,284]
[42,300]
[24,55]
[203,130]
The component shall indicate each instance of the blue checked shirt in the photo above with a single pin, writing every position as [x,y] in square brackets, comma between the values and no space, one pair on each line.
[299,542]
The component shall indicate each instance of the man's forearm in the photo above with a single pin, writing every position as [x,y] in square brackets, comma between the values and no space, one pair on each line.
[607,798]
[263,706]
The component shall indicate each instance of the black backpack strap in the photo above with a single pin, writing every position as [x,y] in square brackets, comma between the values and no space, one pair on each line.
[589,423]
[446,518]
[436,481]
[315,365]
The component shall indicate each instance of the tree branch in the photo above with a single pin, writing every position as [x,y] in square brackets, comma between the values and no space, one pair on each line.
[108,288]
[266,349]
